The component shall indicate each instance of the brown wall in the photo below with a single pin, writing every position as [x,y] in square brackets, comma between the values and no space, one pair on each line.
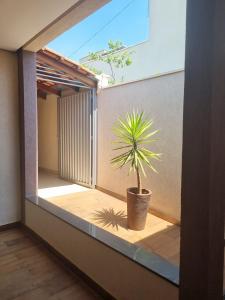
[161,98]
[47,133]
[9,139]
[121,277]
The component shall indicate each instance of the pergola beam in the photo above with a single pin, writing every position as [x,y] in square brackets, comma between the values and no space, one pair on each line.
[58,65]
[48,90]
[203,169]
[58,79]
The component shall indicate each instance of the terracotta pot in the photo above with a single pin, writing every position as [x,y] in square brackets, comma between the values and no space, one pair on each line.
[137,208]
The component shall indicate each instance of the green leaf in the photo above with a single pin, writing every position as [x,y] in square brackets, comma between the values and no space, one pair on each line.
[132,132]
[113,56]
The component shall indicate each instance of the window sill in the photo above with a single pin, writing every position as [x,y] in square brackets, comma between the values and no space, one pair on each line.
[147,259]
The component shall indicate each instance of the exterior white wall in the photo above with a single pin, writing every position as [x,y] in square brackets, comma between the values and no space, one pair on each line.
[9,140]
[161,98]
[164,51]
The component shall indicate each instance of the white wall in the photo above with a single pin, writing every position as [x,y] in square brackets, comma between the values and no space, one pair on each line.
[165,49]
[161,99]
[47,133]
[9,140]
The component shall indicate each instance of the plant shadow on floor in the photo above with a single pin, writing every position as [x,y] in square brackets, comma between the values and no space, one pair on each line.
[110,217]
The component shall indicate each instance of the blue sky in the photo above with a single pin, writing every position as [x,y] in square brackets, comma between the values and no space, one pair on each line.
[128,22]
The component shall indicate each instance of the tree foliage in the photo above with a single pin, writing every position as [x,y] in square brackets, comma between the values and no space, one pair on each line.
[113,57]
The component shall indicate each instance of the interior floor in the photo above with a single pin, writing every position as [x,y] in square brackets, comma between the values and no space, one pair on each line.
[109,213]
[28,271]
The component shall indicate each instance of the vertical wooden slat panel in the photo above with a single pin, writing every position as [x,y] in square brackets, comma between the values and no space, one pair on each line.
[93,141]
[75,139]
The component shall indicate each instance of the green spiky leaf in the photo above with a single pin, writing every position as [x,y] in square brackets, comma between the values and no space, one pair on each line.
[132,133]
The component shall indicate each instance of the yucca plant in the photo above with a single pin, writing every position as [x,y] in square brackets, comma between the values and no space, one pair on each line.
[133,133]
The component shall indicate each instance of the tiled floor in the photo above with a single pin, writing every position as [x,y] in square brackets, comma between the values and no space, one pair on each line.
[109,213]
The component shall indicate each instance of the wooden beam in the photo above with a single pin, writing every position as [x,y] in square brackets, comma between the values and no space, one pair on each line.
[62,67]
[203,168]
[28,124]
[48,90]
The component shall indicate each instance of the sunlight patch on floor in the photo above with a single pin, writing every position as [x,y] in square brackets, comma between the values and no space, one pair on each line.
[61,190]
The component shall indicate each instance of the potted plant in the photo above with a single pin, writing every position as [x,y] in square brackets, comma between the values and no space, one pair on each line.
[133,133]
